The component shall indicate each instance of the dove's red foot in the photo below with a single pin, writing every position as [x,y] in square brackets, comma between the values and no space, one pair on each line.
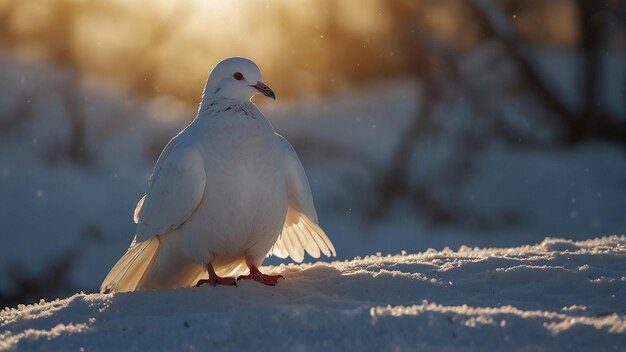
[256,275]
[215,280]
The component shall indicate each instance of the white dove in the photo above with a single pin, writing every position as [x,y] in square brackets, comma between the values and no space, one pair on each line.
[226,192]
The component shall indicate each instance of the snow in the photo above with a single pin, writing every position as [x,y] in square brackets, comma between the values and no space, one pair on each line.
[555,295]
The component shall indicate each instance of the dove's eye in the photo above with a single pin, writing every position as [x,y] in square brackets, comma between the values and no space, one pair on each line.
[238,76]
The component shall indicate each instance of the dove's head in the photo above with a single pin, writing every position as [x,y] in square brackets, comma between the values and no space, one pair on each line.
[237,78]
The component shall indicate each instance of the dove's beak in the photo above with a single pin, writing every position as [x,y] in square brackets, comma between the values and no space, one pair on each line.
[263,88]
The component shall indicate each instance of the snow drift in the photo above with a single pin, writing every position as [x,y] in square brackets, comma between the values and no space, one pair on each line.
[556,295]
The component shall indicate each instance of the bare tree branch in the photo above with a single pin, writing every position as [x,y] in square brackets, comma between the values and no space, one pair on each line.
[574,126]
[498,25]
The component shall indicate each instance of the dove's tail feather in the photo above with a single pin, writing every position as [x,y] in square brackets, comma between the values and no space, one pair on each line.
[130,271]
[159,263]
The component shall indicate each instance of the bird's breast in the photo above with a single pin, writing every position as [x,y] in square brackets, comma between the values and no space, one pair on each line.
[245,199]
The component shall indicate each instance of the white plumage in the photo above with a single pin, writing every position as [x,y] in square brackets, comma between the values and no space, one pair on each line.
[226,192]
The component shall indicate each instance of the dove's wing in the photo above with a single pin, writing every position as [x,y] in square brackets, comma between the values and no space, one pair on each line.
[301,231]
[176,188]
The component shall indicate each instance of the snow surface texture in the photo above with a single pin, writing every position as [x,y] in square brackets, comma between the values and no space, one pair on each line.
[557,295]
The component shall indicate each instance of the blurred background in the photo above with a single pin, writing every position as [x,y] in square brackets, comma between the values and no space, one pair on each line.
[421,124]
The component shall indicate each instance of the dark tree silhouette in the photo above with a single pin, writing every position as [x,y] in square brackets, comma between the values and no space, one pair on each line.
[574,126]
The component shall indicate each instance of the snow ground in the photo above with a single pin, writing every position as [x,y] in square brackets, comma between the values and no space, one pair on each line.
[556,295]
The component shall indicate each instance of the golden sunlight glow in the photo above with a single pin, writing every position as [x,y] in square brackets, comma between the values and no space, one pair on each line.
[169,47]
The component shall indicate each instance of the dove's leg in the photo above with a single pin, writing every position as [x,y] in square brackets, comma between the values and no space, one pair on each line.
[256,275]
[215,280]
